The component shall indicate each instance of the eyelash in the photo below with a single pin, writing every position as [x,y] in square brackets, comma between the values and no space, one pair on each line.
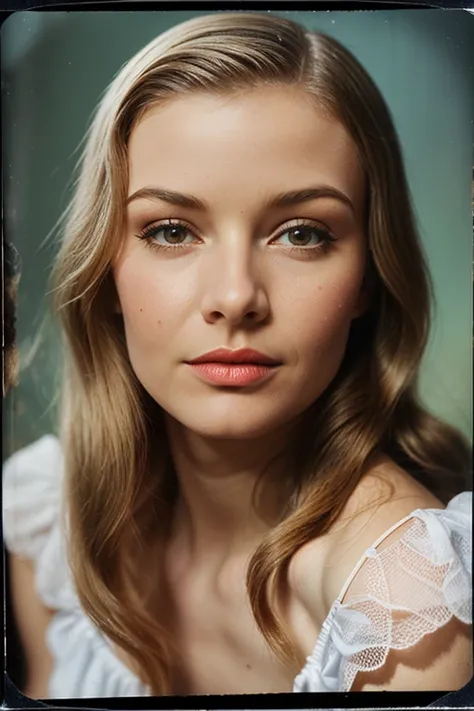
[326,238]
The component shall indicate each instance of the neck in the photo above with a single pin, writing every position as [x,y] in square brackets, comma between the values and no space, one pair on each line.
[221,506]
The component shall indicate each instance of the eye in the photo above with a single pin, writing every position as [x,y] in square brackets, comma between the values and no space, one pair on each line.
[168,234]
[305,235]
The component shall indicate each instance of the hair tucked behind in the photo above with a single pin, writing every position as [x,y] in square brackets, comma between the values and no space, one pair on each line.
[119,475]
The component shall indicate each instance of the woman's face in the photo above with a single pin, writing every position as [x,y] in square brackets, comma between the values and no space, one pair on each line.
[245,230]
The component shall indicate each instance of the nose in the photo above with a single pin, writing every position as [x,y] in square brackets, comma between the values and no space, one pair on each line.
[232,290]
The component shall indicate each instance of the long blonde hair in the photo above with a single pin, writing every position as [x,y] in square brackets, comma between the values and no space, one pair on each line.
[120,483]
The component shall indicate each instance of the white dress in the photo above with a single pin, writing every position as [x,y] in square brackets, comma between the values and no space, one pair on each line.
[394,596]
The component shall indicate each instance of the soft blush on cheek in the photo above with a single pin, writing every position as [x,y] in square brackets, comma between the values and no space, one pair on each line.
[339,303]
[321,316]
[145,301]
[323,331]
[324,303]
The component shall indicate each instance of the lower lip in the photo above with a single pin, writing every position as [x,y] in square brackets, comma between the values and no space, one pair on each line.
[232,374]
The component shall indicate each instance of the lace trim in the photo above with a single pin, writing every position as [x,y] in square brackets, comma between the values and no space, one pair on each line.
[400,594]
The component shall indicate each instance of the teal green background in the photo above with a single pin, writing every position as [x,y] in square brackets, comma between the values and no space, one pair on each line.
[55,67]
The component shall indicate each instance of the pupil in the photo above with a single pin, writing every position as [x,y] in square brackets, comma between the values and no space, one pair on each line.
[173,233]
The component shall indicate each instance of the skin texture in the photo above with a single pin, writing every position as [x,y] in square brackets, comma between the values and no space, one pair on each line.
[33,619]
[237,283]
[230,286]
[386,495]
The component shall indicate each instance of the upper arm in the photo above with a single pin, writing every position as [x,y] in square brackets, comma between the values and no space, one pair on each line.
[407,610]
[32,619]
[441,661]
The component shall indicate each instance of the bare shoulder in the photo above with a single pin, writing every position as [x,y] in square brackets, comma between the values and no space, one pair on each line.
[441,661]
[383,497]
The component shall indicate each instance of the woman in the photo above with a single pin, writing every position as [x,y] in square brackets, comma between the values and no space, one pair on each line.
[250,481]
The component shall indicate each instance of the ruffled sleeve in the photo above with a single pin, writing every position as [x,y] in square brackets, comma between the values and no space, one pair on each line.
[397,594]
[85,664]
[32,521]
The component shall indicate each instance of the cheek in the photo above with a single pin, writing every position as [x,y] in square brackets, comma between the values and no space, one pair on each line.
[150,301]
[320,316]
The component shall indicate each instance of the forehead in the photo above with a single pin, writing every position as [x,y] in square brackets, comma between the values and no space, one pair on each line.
[258,140]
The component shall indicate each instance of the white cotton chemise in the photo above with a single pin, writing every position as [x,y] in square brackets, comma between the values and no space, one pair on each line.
[424,577]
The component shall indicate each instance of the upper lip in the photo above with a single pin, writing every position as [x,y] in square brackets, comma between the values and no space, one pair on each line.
[243,355]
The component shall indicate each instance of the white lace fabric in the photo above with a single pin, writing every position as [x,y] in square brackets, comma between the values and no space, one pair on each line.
[396,595]
[410,583]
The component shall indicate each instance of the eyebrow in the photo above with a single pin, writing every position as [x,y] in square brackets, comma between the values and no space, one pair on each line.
[294,197]
[169,196]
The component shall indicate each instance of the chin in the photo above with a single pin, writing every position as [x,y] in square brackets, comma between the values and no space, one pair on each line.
[234,423]
[232,430]
[235,433]
[235,416]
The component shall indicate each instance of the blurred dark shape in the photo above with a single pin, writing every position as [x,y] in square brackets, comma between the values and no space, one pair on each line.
[11,273]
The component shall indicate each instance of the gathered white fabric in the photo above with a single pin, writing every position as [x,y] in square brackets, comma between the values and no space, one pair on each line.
[85,665]
[396,595]
[411,582]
